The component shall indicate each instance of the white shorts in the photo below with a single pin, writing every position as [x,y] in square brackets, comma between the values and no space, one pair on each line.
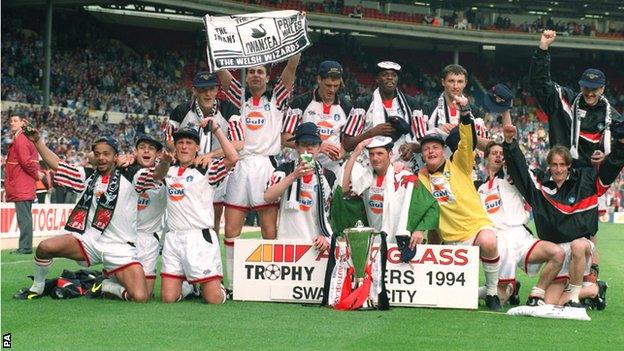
[218,197]
[515,245]
[188,255]
[147,245]
[247,183]
[113,255]
[564,273]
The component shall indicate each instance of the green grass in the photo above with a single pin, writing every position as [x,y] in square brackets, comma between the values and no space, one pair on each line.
[47,324]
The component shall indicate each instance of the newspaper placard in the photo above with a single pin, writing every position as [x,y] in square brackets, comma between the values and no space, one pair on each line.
[249,40]
[294,271]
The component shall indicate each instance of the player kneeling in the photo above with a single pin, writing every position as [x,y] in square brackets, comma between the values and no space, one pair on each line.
[103,222]
[564,201]
[191,249]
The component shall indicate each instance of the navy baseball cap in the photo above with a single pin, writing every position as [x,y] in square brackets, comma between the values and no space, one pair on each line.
[499,98]
[148,139]
[107,140]
[205,79]
[329,67]
[433,137]
[186,133]
[592,78]
[308,132]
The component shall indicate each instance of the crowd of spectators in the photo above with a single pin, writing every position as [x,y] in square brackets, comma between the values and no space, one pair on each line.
[89,71]
[92,71]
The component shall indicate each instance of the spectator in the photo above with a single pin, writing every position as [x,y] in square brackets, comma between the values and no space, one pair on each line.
[22,171]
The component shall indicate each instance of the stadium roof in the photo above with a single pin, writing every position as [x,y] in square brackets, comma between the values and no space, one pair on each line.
[187,15]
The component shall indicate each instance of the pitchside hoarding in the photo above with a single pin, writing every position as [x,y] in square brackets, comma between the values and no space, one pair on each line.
[294,271]
[47,219]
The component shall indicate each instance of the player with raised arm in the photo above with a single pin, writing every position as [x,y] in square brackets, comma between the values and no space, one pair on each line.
[463,221]
[565,205]
[103,223]
[191,250]
[579,121]
[504,205]
[387,190]
[325,107]
[261,116]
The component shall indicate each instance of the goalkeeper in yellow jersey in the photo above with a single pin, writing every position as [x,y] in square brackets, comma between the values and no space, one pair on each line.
[463,221]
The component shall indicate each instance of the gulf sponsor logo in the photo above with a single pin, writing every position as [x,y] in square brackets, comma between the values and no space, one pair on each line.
[440,193]
[376,203]
[255,120]
[305,201]
[176,192]
[326,129]
[144,201]
[278,253]
[492,203]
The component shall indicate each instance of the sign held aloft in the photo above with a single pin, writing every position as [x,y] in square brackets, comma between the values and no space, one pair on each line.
[248,40]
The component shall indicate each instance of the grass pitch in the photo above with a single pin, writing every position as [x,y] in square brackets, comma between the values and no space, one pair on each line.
[82,324]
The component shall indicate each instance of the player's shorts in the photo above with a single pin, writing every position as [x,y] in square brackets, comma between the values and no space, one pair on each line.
[192,255]
[147,246]
[564,273]
[515,245]
[218,197]
[113,255]
[248,181]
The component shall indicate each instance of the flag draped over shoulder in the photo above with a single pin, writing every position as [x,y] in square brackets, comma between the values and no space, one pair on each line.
[249,40]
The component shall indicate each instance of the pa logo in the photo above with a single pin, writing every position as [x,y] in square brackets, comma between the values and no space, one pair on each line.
[571,199]
[267,107]
[189,178]
[6,341]
[336,117]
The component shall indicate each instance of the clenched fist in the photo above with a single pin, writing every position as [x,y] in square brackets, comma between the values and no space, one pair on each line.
[548,36]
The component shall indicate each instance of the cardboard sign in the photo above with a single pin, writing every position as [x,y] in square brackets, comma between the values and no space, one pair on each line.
[294,271]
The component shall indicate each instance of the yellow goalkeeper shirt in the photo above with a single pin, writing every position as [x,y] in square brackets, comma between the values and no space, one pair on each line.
[461,212]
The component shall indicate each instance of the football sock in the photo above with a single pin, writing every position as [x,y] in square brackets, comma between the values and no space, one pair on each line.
[491,266]
[229,259]
[537,292]
[42,267]
[482,292]
[113,288]
[574,292]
